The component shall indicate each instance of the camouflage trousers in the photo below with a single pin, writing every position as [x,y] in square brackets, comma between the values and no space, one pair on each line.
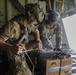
[17,67]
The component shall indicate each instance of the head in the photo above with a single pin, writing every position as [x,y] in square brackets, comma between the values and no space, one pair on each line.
[52,18]
[34,12]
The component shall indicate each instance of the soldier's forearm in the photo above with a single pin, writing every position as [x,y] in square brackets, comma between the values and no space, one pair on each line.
[59,42]
[4,46]
[8,47]
[37,36]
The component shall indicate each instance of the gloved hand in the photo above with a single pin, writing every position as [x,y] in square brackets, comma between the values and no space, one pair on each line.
[57,49]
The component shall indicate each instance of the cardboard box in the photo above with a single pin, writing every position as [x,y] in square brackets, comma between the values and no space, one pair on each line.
[66,66]
[49,66]
[66,71]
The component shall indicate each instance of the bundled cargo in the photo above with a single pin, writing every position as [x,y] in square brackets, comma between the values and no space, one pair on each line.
[48,62]
[66,66]
[54,63]
[49,67]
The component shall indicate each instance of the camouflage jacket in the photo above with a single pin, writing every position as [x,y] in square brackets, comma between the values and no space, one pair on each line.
[12,31]
[46,35]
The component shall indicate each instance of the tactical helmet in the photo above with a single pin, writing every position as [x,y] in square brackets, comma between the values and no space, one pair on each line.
[34,11]
[53,16]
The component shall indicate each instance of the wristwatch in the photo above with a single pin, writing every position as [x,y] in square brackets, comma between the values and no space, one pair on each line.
[38,41]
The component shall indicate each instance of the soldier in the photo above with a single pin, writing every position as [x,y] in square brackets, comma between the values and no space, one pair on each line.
[36,42]
[50,27]
[11,32]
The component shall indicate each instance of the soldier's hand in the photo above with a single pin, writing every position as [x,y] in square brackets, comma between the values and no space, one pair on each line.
[17,48]
[20,48]
[57,49]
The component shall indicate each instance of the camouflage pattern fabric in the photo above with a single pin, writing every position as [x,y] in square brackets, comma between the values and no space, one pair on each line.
[32,44]
[13,31]
[35,12]
[19,67]
[46,35]
[16,66]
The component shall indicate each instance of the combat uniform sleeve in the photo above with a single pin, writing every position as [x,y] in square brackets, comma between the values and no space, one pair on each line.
[33,29]
[33,43]
[8,31]
[58,33]
[36,33]
[43,34]
[44,38]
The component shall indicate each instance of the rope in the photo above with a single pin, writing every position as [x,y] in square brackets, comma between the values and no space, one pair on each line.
[31,62]
[26,52]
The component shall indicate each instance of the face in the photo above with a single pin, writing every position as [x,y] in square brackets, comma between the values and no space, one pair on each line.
[51,25]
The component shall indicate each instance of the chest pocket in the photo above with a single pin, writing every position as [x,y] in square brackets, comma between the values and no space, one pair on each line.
[50,33]
[16,31]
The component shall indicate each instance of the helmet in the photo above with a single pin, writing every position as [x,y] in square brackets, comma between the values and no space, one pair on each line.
[34,11]
[53,16]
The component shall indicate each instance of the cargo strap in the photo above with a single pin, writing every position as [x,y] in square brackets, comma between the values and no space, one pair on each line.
[52,69]
[18,6]
[64,67]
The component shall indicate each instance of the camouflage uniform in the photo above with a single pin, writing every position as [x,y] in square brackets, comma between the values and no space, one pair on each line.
[12,31]
[46,34]
[32,44]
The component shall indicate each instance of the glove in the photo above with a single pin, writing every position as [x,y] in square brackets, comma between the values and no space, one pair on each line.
[57,49]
